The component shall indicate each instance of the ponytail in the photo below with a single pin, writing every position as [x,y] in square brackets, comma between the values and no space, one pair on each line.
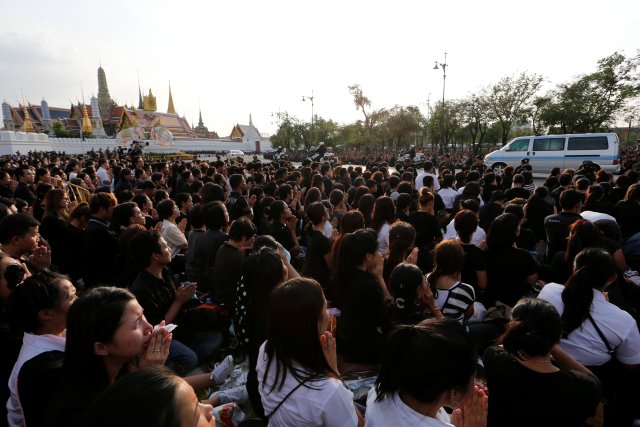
[577,297]
[534,330]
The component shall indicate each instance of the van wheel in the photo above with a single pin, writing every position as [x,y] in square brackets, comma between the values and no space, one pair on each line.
[498,168]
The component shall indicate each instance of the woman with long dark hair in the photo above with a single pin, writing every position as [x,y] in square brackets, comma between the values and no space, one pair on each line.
[424,369]
[524,384]
[107,335]
[511,272]
[598,334]
[54,229]
[384,214]
[363,298]
[412,296]
[297,365]
[454,298]
[317,261]
[37,310]
[402,239]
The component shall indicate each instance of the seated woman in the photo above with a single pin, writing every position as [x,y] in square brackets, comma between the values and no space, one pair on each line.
[523,382]
[365,317]
[297,365]
[598,334]
[511,272]
[402,239]
[454,298]
[152,396]
[106,334]
[38,309]
[413,299]
[316,263]
[425,368]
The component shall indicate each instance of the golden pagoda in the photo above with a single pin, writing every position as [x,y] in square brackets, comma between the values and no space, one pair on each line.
[149,102]
[27,126]
[170,109]
[86,122]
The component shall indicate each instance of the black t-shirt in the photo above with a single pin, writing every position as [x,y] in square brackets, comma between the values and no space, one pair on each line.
[520,396]
[154,295]
[206,250]
[237,205]
[507,271]
[282,234]
[227,273]
[556,228]
[427,229]
[43,372]
[628,216]
[474,260]
[517,193]
[364,321]
[315,266]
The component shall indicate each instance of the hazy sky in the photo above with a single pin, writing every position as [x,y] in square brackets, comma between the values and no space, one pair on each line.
[235,58]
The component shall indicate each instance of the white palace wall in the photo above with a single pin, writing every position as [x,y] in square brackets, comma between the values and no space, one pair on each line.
[12,142]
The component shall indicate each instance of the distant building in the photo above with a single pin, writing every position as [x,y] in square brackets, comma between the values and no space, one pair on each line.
[104,115]
[202,131]
[248,134]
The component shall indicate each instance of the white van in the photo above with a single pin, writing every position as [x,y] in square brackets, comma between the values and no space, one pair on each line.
[235,153]
[564,151]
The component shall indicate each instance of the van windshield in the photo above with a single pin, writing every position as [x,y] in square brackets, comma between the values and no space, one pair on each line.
[519,145]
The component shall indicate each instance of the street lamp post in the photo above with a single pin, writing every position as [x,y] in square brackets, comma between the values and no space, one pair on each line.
[443,65]
[310,98]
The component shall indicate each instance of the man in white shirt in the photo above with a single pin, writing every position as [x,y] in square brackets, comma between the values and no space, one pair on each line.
[428,170]
[104,172]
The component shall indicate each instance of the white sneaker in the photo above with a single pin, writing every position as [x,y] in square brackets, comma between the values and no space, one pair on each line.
[222,370]
[236,394]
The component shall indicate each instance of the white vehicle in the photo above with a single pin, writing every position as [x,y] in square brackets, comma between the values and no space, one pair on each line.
[564,151]
[235,153]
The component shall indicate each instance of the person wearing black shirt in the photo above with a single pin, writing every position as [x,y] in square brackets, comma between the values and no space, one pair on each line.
[24,190]
[283,226]
[229,261]
[318,247]
[102,247]
[428,231]
[517,191]
[237,204]
[557,226]
[523,383]
[627,212]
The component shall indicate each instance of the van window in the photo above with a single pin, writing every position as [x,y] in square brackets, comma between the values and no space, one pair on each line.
[588,143]
[548,144]
[521,144]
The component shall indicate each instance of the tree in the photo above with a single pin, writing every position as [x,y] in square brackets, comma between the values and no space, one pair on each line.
[59,130]
[474,118]
[403,121]
[363,103]
[508,101]
[447,119]
[593,101]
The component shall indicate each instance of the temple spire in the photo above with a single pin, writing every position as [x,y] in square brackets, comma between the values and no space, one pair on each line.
[250,121]
[170,109]
[200,123]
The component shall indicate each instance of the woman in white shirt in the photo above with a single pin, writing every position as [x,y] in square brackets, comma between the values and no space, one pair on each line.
[173,233]
[424,368]
[297,365]
[598,334]
[38,307]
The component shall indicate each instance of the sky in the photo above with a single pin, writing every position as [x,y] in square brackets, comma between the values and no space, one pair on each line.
[231,59]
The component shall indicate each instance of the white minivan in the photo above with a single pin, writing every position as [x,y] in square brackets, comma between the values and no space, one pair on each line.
[235,153]
[564,151]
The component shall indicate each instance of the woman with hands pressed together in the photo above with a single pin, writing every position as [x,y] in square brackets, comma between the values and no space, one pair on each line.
[364,298]
[297,365]
[425,368]
[107,336]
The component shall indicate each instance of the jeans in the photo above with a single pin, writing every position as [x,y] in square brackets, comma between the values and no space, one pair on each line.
[205,343]
[181,358]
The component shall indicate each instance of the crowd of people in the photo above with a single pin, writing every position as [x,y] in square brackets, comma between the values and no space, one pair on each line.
[472,298]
